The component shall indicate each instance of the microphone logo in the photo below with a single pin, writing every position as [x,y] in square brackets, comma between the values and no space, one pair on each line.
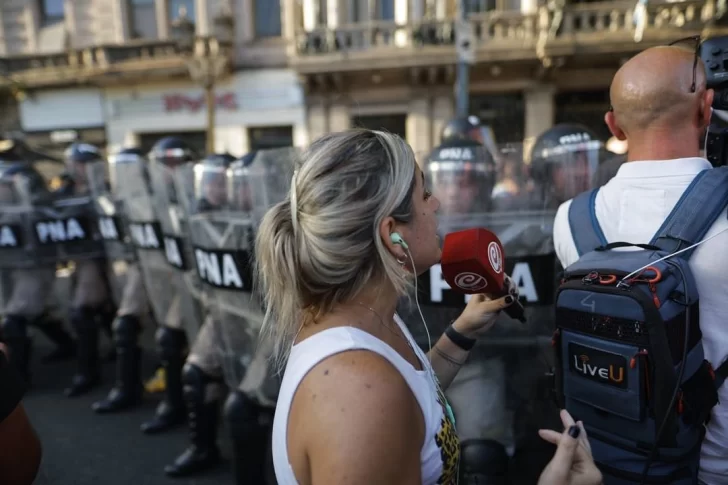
[470,282]
[495,257]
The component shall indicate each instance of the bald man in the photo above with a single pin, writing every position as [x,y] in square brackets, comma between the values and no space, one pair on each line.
[664,121]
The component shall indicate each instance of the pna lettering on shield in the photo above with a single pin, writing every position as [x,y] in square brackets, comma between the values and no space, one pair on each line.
[59,231]
[7,237]
[218,269]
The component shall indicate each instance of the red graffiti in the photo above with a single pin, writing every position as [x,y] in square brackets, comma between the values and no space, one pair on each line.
[181,102]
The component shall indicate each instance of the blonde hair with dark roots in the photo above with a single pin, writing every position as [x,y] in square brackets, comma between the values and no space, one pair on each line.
[329,249]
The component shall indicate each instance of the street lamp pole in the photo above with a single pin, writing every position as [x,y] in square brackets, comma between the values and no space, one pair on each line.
[206,61]
[466,57]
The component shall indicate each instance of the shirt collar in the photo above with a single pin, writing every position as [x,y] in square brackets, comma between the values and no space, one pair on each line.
[663,168]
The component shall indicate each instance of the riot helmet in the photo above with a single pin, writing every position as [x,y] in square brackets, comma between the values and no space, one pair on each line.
[20,181]
[260,179]
[172,151]
[77,157]
[211,181]
[470,128]
[461,173]
[563,161]
[126,156]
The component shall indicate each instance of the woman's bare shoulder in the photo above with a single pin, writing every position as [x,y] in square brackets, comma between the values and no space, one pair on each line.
[355,409]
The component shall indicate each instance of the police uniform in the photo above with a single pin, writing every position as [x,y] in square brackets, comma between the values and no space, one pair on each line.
[226,357]
[91,297]
[133,306]
[171,337]
[27,291]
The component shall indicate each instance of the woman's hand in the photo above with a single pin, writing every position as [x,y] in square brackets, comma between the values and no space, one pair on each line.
[572,463]
[482,311]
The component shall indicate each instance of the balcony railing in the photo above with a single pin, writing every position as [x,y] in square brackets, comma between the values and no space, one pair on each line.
[76,66]
[592,24]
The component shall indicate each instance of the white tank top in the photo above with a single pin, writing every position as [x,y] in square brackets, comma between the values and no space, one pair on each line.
[441,449]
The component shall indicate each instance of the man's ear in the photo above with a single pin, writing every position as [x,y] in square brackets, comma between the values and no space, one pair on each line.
[611,122]
[706,110]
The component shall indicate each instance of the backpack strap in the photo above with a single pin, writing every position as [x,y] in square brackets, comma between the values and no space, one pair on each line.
[721,373]
[698,208]
[583,223]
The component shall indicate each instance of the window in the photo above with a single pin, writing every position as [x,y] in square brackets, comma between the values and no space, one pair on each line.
[479,6]
[385,10]
[395,123]
[51,11]
[142,19]
[270,137]
[176,5]
[505,114]
[584,108]
[267,18]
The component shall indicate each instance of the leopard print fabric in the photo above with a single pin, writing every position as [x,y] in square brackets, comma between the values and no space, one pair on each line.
[449,444]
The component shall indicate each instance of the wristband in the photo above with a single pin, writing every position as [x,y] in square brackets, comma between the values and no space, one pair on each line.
[465,343]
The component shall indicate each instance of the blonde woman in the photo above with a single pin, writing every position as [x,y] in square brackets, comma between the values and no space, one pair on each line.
[360,403]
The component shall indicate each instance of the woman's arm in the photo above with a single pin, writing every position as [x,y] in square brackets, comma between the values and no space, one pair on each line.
[447,358]
[355,421]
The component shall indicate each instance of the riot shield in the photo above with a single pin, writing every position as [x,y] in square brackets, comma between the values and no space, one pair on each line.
[504,196]
[19,246]
[68,225]
[223,238]
[177,249]
[110,215]
[133,188]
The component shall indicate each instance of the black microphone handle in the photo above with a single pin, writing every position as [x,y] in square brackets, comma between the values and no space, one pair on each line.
[515,310]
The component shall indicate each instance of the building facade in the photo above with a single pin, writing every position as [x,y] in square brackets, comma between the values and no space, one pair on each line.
[387,64]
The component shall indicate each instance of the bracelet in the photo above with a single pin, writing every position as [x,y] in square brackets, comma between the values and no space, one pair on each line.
[465,343]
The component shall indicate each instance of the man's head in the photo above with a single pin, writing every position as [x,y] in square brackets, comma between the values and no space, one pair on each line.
[654,107]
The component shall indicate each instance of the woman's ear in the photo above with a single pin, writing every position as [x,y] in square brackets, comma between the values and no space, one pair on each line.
[386,228]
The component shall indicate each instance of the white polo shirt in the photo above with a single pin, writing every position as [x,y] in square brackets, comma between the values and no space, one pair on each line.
[631,207]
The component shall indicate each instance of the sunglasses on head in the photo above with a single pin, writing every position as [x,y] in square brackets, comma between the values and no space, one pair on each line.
[691,43]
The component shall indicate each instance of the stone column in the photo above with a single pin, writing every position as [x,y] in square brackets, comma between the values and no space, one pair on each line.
[419,127]
[339,117]
[317,119]
[443,110]
[540,111]
[310,14]
[203,24]
[161,8]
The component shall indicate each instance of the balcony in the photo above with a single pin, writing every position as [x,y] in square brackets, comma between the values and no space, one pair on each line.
[504,36]
[101,65]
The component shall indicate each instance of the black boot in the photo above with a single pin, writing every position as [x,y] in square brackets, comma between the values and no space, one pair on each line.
[483,462]
[15,333]
[171,344]
[203,453]
[250,428]
[53,329]
[108,317]
[128,390]
[85,322]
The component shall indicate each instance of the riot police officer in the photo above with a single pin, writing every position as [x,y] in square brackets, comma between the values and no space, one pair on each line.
[226,355]
[461,173]
[563,160]
[29,289]
[90,305]
[202,372]
[127,391]
[171,338]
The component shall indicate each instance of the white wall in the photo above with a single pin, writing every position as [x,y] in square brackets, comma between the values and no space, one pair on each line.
[62,109]
[263,98]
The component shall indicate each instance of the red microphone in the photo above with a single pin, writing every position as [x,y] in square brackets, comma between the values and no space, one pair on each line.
[472,262]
